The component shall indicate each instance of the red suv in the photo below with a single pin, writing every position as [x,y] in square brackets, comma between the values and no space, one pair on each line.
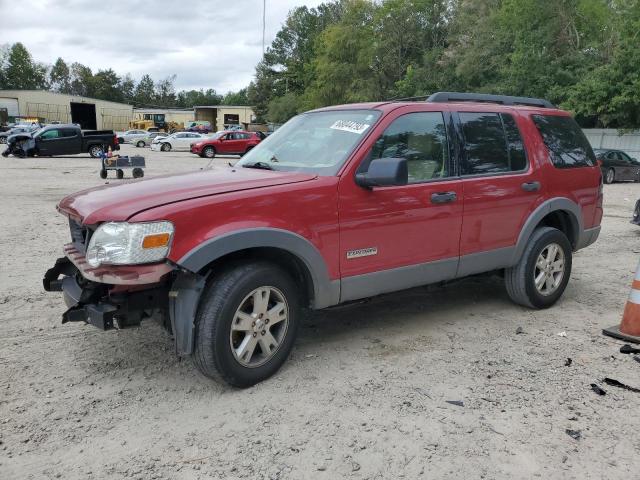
[339,204]
[226,143]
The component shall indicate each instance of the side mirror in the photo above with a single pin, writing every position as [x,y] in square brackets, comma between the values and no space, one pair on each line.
[384,172]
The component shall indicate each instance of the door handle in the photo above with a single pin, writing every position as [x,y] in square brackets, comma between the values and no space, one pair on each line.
[531,186]
[443,197]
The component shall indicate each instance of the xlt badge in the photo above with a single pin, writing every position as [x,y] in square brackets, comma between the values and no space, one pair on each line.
[362,252]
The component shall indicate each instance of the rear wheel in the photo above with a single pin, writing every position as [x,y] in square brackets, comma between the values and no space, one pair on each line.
[140,144]
[96,151]
[610,176]
[541,276]
[137,173]
[209,152]
[166,147]
[246,323]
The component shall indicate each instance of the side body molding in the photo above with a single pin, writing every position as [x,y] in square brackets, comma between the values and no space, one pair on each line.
[326,291]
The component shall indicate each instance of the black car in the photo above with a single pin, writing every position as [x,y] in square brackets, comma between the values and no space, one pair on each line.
[617,166]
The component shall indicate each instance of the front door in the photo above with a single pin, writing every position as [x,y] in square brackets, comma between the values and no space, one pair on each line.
[402,236]
[500,189]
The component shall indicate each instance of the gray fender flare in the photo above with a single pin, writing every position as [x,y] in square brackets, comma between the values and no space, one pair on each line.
[185,292]
[544,209]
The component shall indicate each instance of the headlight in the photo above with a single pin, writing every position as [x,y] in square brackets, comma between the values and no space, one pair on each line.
[122,243]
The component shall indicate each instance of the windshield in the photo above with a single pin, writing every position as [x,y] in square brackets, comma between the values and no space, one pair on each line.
[317,142]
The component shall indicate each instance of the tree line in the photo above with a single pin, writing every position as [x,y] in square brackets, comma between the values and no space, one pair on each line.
[18,70]
[583,55]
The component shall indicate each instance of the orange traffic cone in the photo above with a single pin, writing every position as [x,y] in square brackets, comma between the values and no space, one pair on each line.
[629,329]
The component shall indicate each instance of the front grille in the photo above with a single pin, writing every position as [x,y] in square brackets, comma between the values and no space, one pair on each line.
[79,235]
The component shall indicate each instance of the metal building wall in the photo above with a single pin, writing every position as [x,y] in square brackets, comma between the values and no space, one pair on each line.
[611,138]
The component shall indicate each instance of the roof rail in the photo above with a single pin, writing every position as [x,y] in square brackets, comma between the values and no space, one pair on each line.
[443,97]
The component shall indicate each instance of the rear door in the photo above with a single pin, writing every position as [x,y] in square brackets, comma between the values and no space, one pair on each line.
[501,189]
[70,141]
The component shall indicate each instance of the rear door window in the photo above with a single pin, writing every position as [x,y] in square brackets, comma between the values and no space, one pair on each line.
[567,145]
[492,144]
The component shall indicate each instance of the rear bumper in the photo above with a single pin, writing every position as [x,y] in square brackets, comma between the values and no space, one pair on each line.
[589,236]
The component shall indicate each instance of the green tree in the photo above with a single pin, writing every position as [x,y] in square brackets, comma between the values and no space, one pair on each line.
[81,80]
[236,98]
[165,92]
[60,77]
[106,86]
[283,108]
[21,72]
[127,87]
[144,93]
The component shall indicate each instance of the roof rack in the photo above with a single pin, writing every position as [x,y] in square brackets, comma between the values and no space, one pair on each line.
[443,97]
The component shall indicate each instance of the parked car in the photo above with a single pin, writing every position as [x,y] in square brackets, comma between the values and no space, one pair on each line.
[180,141]
[617,166]
[66,139]
[15,130]
[199,126]
[130,136]
[226,143]
[375,198]
[146,140]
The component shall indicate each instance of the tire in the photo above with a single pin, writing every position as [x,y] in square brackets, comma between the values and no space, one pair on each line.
[519,279]
[166,147]
[140,144]
[96,150]
[3,140]
[103,174]
[137,173]
[610,176]
[208,152]
[120,174]
[221,300]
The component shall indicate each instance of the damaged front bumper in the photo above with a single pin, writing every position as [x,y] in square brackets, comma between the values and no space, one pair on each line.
[103,305]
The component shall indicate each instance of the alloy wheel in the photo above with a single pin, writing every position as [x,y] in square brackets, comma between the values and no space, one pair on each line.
[259,326]
[549,270]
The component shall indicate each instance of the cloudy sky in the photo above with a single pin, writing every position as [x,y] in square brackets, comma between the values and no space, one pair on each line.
[206,43]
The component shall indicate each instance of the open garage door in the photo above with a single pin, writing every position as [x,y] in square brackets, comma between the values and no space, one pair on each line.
[84,114]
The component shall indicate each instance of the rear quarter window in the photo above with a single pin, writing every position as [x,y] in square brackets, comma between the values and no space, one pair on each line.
[568,147]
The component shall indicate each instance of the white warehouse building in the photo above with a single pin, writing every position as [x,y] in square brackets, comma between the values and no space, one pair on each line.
[45,107]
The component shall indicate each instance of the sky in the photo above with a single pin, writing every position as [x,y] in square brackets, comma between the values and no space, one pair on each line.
[205,43]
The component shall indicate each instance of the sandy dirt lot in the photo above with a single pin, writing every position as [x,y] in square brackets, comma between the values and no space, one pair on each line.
[363,396]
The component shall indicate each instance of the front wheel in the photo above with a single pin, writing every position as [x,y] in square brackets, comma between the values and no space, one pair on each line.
[610,176]
[542,274]
[103,174]
[209,152]
[166,147]
[120,174]
[3,140]
[246,324]
[140,144]
[96,151]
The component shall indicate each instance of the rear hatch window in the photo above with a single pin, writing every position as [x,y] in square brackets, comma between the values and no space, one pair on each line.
[567,144]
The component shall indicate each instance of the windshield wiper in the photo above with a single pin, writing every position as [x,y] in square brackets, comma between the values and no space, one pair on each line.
[260,165]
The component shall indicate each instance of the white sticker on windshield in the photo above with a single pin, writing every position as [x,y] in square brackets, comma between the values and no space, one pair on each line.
[350,126]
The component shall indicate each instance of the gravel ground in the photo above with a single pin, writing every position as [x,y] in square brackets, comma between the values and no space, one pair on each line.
[364,395]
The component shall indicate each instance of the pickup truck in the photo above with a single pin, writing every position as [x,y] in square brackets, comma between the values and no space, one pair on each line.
[61,140]
[339,204]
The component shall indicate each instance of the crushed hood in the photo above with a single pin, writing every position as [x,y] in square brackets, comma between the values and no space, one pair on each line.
[119,202]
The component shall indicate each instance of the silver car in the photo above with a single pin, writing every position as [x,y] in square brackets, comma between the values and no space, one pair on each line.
[147,139]
[131,135]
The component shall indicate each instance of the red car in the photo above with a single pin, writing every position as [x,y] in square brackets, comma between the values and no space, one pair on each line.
[339,204]
[226,143]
